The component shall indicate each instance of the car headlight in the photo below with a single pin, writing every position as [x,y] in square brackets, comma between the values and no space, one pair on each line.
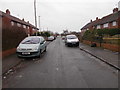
[77,40]
[18,48]
[68,41]
[35,49]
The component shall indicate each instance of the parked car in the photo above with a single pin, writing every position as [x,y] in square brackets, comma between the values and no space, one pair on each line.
[71,40]
[63,37]
[32,46]
[51,38]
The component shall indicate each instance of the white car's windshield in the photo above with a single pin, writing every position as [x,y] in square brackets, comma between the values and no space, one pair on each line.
[31,41]
[71,37]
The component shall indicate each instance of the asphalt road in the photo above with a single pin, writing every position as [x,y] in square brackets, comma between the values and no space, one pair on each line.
[62,67]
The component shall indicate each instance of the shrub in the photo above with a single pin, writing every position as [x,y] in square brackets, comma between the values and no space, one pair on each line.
[98,34]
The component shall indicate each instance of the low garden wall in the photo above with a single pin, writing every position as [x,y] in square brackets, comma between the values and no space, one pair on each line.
[11,37]
[105,45]
[8,52]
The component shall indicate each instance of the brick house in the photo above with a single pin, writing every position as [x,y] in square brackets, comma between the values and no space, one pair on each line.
[13,30]
[110,21]
[9,21]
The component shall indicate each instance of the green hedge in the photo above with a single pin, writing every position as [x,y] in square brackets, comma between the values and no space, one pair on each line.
[98,34]
[110,32]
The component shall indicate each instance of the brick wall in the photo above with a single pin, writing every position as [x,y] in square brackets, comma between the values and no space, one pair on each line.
[8,52]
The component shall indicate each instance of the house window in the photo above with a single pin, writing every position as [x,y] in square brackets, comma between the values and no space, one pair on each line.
[114,23]
[105,25]
[18,24]
[98,26]
[28,27]
[24,26]
[33,29]
[12,23]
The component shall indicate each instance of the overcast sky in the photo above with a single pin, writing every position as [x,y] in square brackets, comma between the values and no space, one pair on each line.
[58,15]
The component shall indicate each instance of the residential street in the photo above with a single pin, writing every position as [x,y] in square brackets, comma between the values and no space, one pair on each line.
[62,67]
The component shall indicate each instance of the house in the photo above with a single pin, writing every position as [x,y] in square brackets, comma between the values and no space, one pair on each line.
[107,22]
[9,21]
[13,30]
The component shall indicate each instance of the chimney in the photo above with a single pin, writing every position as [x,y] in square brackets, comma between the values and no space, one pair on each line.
[23,19]
[7,11]
[115,10]
[96,18]
[91,20]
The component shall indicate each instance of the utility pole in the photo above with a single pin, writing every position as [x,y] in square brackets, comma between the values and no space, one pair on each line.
[39,24]
[47,28]
[35,14]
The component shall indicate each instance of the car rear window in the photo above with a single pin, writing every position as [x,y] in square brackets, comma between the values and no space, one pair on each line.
[31,41]
[71,37]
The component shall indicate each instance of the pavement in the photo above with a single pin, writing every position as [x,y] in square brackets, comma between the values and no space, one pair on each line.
[10,62]
[105,55]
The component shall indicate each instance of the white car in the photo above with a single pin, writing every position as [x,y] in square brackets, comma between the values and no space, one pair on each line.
[31,46]
[51,38]
[63,37]
[71,40]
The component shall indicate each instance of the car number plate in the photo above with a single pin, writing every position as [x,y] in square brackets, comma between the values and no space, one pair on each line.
[26,53]
[73,43]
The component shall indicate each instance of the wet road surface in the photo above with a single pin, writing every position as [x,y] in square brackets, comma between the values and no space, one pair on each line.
[62,67]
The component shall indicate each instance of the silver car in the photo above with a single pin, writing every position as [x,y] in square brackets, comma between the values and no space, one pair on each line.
[31,46]
[51,38]
[71,40]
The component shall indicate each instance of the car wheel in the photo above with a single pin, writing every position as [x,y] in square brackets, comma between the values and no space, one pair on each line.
[45,49]
[18,56]
[65,44]
[68,45]
[39,54]
[77,45]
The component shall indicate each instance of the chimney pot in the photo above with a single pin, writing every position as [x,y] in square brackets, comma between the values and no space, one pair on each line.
[23,19]
[115,10]
[91,20]
[7,11]
[96,18]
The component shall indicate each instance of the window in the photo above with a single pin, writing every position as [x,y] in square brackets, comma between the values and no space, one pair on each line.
[98,26]
[31,40]
[24,26]
[12,23]
[105,25]
[18,24]
[114,23]
[33,29]
[71,37]
[28,27]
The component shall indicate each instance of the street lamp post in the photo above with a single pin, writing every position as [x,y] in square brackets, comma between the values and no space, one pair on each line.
[35,14]
[39,25]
